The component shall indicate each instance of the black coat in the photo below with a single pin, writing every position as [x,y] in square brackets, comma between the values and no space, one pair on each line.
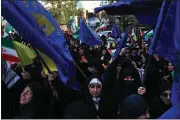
[157,108]
[68,95]
[40,105]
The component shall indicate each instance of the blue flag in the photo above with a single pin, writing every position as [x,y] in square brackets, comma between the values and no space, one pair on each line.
[115,32]
[87,35]
[37,26]
[172,113]
[122,43]
[117,41]
[149,18]
[166,41]
[146,11]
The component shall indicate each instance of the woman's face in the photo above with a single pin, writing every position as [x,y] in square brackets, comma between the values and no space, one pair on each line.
[166,97]
[103,52]
[81,51]
[26,96]
[95,90]
[43,74]
[170,67]
[26,75]
[119,68]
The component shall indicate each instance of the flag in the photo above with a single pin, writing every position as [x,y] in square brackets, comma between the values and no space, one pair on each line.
[70,23]
[110,39]
[4,34]
[51,65]
[149,34]
[9,63]
[73,28]
[112,52]
[37,26]
[102,27]
[26,55]
[146,11]
[8,51]
[166,41]
[9,76]
[76,35]
[87,35]
[134,35]
[7,28]
[148,18]
[117,41]
[172,113]
[115,32]
[122,43]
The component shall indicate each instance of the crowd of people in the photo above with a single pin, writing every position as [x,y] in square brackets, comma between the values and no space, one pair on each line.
[134,85]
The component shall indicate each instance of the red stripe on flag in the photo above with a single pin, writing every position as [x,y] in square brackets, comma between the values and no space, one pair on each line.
[10,58]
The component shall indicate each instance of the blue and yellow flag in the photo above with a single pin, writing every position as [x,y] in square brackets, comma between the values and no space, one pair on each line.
[37,26]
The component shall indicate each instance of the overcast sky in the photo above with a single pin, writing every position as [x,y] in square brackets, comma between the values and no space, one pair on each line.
[89,4]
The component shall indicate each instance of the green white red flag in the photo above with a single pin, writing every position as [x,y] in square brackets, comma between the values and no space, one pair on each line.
[7,51]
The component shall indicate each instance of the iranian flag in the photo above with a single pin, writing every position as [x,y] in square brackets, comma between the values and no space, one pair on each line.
[8,52]
[102,27]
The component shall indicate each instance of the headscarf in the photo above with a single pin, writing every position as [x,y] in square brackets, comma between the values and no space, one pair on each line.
[95,80]
[133,107]
[39,106]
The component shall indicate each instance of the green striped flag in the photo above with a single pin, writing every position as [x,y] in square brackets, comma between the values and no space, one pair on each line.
[7,51]
[149,34]
[73,28]
[76,35]
[8,28]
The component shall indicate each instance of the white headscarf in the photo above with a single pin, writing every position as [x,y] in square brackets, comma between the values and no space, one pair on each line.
[95,81]
[95,99]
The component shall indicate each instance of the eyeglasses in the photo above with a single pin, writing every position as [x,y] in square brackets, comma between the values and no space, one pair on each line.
[95,85]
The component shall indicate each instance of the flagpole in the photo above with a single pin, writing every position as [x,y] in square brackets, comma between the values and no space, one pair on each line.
[41,59]
[45,65]
[140,38]
[80,70]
